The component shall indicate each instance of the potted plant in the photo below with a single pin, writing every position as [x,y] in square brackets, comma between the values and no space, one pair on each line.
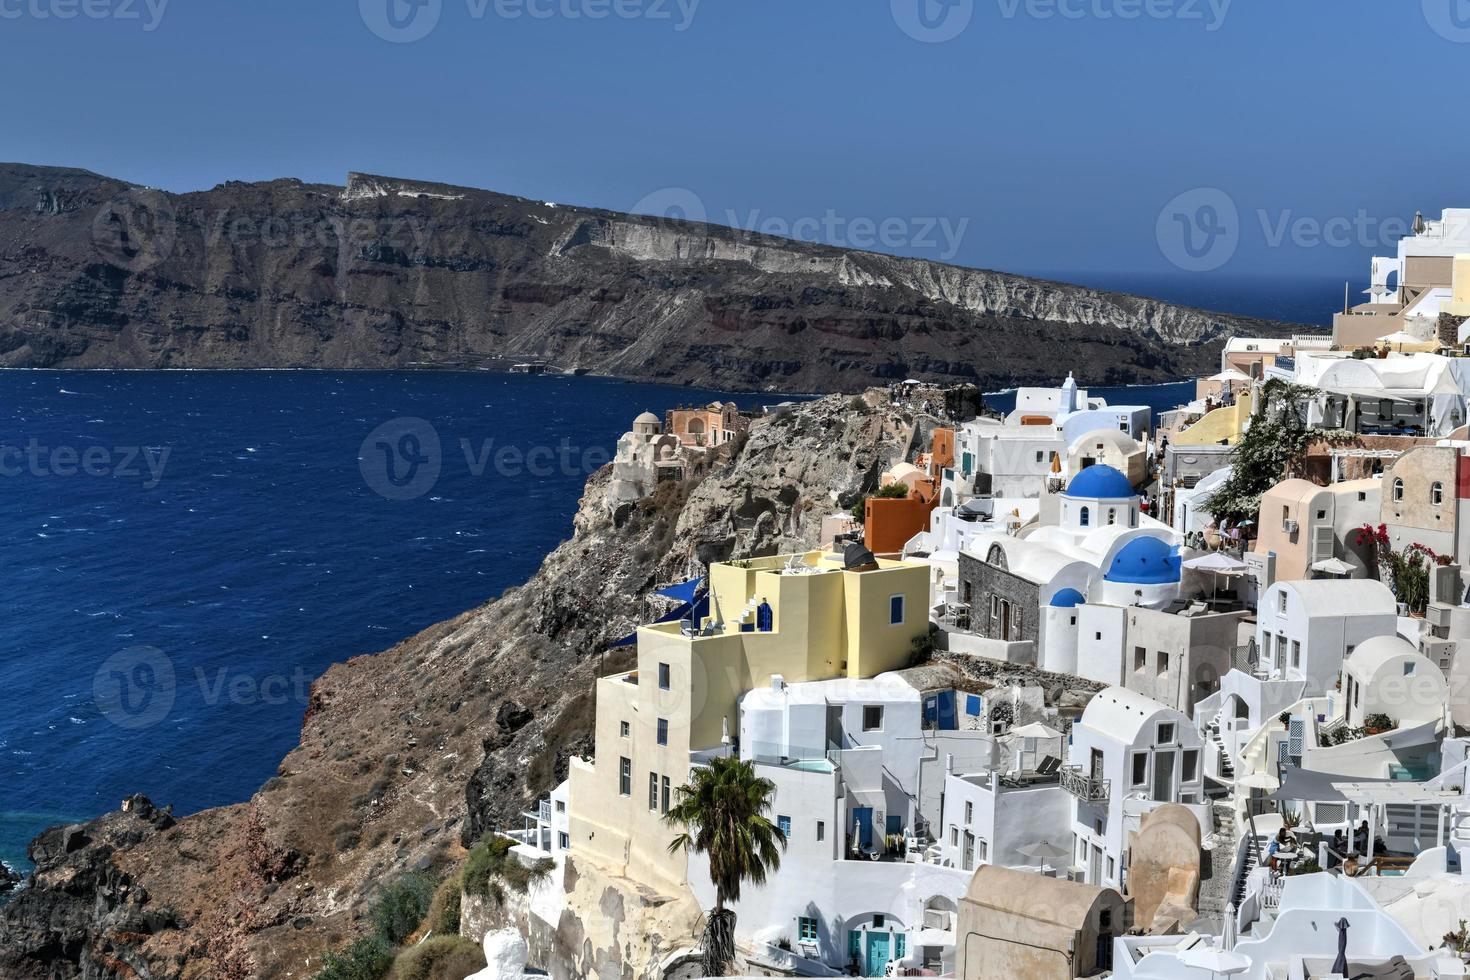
[1378,723]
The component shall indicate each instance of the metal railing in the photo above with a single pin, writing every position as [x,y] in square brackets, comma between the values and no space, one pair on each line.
[1088,789]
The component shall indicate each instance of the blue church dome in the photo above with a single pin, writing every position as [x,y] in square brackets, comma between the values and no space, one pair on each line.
[1145,561]
[1100,482]
[1067,599]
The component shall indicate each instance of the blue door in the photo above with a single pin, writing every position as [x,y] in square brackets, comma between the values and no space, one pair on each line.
[864,817]
[877,961]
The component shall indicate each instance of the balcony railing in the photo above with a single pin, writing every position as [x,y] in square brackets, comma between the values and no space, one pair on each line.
[1088,789]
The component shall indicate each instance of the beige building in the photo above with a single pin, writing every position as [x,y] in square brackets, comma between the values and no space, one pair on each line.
[1421,500]
[1109,447]
[1014,925]
[1303,525]
[680,705]
[706,425]
[1408,291]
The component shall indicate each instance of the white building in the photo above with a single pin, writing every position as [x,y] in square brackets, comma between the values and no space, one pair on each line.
[1305,629]
[1128,755]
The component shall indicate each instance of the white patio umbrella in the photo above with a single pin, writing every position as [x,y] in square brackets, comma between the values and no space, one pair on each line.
[1401,338]
[1332,566]
[1045,851]
[1034,730]
[1217,564]
[1229,374]
[1220,962]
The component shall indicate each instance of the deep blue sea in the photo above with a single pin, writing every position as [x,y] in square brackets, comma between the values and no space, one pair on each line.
[182,553]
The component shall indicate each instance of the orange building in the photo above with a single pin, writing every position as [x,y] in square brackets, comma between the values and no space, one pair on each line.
[889,522]
[706,425]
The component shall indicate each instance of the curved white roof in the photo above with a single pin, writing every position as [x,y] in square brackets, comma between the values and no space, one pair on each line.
[1113,438]
[1339,597]
[1121,714]
[1374,653]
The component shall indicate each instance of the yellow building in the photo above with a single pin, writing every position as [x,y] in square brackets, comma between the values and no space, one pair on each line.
[681,703]
[1459,304]
[1222,427]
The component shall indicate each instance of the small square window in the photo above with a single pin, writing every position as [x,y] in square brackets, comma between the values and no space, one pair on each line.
[785,824]
[564,841]
[1166,734]
[623,729]
[879,921]
[872,717]
[806,929]
[1409,669]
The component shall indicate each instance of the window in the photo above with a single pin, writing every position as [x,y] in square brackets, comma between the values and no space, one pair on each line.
[1281,602]
[1112,516]
[653,791]
[1112,869]
[806,929]
[564,841]
[1191,765]
[895,611]
[1321,515]
[666,794]
[855,945]
[878,921]
[821,830]
[872,717]
[1296,653]
[954,835]
[561,806]
[663,731]
[1166,734]
[1436,494]
[1140,768]
[785,824]
[972,705]
[1038,455]
[1163,663]
[1084,516]
[663,677]
[1409,669]
[900,945]
[1398,489]
[625,776]
[969,811]
[623,729]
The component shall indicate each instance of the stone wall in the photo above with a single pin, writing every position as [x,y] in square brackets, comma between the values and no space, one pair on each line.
[980,580]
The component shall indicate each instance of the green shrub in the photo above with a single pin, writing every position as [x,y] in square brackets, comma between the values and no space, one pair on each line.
[892,491]
[402,907]
[492,859]
[444,909]
[367,958]
[439,958]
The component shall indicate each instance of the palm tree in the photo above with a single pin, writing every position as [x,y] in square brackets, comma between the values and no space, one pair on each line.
[723,815]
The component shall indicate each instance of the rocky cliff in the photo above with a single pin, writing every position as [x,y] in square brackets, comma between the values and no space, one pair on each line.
[381,273]
[407,755]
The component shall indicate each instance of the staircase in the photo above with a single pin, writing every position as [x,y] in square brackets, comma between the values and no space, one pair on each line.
[1262,841]
[1227,764]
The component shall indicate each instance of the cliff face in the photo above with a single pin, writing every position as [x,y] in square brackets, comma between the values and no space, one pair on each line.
[393,273]
[407,755]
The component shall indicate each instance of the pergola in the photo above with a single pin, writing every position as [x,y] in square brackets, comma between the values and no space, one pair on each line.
[1305,785]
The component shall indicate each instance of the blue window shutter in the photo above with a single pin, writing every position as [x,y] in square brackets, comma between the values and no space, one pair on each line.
[972,705]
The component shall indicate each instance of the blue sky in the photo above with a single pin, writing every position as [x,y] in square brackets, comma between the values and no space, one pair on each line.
[1040,136]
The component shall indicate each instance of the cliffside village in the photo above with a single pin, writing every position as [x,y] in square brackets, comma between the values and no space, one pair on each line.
[1088,689]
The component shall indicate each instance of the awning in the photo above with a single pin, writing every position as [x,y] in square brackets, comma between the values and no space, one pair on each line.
[1218,563]
[1309,786]
[684,591]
